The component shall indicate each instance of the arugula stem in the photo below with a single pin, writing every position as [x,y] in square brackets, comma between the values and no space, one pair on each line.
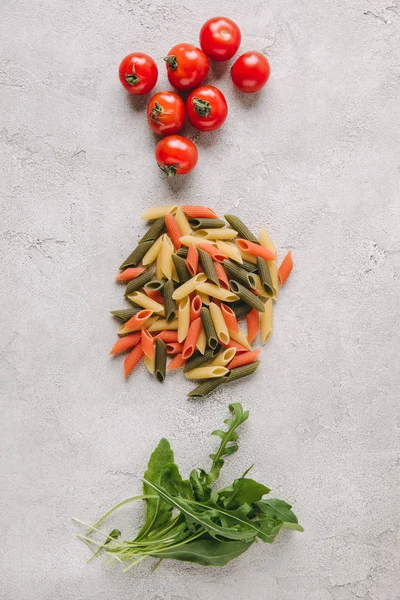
[104,517]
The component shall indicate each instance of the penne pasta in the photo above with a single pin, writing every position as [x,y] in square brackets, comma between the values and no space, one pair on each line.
[273,269]
[253,325]
[206,372]
[174,348]
[248,258]
[240,338]
[206,223]
[195,307]
[219,323]
[154,232]
[254,249]
[158,211]
[191,340]
[241,228]
[162,325]
[124,331]
[285,268]
[169,303]
[176,363]
[136,255]
[229,318]
[208,266]
[159,271]
[244,371]
[206,387]
[132,359]
[142,300]
[205,298]
[189,240]
[244,359]
[201,342]
[129,273]
[265,276]
[174,231]
[216,292]
[238,274]
[266,322]
[150,363]
[200,360]
[217,234]
[265,241]
[139,282]
[224,358]
[199,212]
[126,343]
[230,250]
[125,313]
[189,286]
[181,269]
[183,318]
[137,321]
[215,254]
[182,222]
[246,295]
[259,288]
[192,260]
[160,360]
[222,276]
[147,343]
[167,336]
[167,250]
[153,252]
[238,347]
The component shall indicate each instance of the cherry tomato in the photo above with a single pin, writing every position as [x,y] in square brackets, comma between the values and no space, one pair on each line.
[176,155]
[220,38]
[250,72]
[206,108]
[138,73]
[187,66]
[166,113]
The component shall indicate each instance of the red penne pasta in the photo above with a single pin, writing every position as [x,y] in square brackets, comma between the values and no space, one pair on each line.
[200,268]
[212,251]
[173,230]
[130,273]
[229,318]
[222,276]
[138,320]
[244,358]
[154,295]
[234,344]
[199,212]
[255,249]
[174,348]
[176,363]
[253,324]
[191,340]
[167,336]
[132,359]
[285,268]
[195,308]
[147,342]
[126,343]
[192,260]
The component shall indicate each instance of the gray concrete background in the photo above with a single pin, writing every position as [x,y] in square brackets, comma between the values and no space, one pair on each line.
[314,157]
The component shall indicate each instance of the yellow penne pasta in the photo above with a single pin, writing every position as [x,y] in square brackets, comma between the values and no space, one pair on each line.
[265,240]
[223,233]
[217,292]
[174,273]
[273,269]
[145,302]
[201,342]
[150,322]
[162,325]
[219,323]
[249,257]
[259,286]
[230,250]
[240,338]
[206,372]
[188,240]
[266,321]
[158,211]
[154,251]
[150,363]
[167,250]
[204,297]
[182,222]
[183,318]
[189,286]
[224,358]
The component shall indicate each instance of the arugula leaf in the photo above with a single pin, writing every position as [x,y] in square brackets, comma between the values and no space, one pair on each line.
[182,486]
[278,509]
[243,490]
[201,490]
[206,552]
[269,529]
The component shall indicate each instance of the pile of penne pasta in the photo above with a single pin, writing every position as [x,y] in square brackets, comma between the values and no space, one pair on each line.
[190,279]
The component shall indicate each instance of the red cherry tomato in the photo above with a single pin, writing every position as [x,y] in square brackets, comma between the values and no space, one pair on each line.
[220,38]
[250,72]
[176,155]
[187,66]
[166,113]
[138,73]
[206,108]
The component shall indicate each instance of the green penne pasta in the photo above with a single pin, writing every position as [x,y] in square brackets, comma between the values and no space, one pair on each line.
[169,303]
[136,255]
[161,360]
[235,272]
[155,285]
[139,282]
[208,266]
[199,360]
[209,329]
[246,295]
[154,231]
[181,268]
[126,313]
[182,252]
[265,276]
[206,223]
[242,229]
[248,266]
[241,309]
[241,372]
[206,387]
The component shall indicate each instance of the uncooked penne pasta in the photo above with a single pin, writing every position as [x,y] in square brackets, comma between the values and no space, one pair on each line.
[249,257]
[189,286]
[205,298]
[230,250]
[201,341]
[183,318]
[229,318]
[159,272]
[198,212]
[217,234]
[182,222]
[176,363]
[158,211]
[206,372]
[224,358]
[142,300]
[150,363]
[167,250]
[265,240]
[266,321]
[154,232]
[242,229]
[255,249]
[191,339]
[259,286]
[162,325]
[273,270]
[219,323]
[152,254]
[174,231]
[188,240]
[240,338]
[137,321]
[217,292]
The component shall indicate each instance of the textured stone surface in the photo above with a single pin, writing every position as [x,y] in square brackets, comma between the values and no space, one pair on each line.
[315,157]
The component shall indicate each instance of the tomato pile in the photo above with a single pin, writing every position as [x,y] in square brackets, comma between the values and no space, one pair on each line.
[187,68]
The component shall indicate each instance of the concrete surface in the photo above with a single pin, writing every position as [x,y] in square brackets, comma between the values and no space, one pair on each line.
[314,157]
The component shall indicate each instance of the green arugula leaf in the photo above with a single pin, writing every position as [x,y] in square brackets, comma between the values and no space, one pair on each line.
[269,529]
[201,490]
[182,486]
[278,509]
[243,490]
[206,552]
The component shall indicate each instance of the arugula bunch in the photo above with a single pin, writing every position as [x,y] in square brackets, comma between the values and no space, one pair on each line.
[186,519]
